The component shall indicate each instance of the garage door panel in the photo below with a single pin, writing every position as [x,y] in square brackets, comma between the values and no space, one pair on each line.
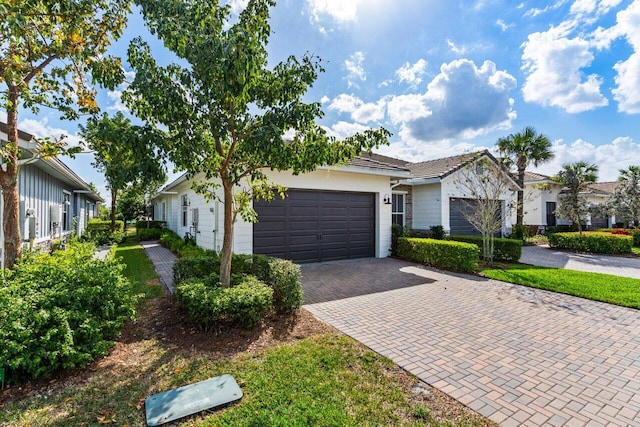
[459,225]
[316,226]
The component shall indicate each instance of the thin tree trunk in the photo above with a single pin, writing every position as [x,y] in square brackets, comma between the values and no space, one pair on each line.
[114,195]
[227,242]
[9,184]
[522,165]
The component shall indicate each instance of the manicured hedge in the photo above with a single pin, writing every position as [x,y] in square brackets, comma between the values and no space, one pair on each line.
[177,245]
[96,224]
[149,233]
[440,253]
[509,250]
[244,304]
[150,224]
[61,310]
[595,242]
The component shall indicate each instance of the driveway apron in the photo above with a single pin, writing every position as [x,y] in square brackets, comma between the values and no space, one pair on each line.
[517,355]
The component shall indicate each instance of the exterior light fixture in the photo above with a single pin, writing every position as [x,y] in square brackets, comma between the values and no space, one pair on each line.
[387,199]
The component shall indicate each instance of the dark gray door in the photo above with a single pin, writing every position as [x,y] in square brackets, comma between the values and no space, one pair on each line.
[314,226]
[597,223]
[459,224]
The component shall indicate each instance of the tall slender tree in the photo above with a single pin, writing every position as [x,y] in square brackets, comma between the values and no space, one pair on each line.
[520,150]
[625,201]
[125,153]
[48,50]
[226,110]
[576,178]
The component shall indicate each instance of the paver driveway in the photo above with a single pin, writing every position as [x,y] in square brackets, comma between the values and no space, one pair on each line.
[596,263]
[517,355]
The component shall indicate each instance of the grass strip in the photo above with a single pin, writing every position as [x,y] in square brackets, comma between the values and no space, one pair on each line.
[326,380]
[617,290]
[139,269]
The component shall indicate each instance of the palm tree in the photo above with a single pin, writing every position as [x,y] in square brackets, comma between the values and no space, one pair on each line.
[523,149]
[575,177]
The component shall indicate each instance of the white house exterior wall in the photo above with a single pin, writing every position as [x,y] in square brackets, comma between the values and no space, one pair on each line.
[211,224]
[427,207]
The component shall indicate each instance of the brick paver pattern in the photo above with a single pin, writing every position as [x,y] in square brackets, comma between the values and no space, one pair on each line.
[595,263]
[517,355]
[162,259]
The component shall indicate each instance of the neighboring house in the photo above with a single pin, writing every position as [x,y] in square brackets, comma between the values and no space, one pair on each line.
[334,212]
[541,198]
[53,199]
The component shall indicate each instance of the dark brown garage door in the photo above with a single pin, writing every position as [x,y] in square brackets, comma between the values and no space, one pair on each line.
[314,226]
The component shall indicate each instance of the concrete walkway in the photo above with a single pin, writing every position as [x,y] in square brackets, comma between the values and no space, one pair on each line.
[597,263]
[162,259]
[517,355]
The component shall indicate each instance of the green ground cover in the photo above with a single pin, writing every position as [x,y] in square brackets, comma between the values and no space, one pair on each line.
[617,290]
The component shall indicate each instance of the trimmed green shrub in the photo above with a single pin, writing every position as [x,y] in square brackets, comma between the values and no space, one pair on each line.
[509,250]
[149,233]
[594,242]
[244,304]
[61,310]
[440,253]
[437,232]
[150,224]
[198,267]
[98,231]
[177,245]
[397,231]
[635,234]
[96,224]
[284,277]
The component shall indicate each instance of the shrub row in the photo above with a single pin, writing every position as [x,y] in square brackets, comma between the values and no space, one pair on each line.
[244,303]
[440,253]
[595,242]
[96,224]
[149,233]
[509,250]
[282,276]
[150,224]
[98,231]
[177,245]
[61,310]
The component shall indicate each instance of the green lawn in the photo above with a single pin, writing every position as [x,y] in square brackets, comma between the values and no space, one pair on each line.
[139,269]
[595,286]
[635,250]
[327,380]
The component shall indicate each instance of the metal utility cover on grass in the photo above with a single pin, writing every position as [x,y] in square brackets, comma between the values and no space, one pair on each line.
[188,400]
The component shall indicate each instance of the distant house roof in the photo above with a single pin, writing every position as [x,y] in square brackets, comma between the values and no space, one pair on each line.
[53,166]
[385,159]
[604,187]
[533,176]
[377,161]
[440,168]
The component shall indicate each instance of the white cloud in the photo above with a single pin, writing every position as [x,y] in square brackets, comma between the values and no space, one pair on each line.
[412,74]
[41,129]
[355,70]
[342,11]
[324,99]
[418,151]
[536,11]
[116,95]
[610,158]
[360,111]
[344,129]
[458,50]
[552,62]
[461,102]
[627,92]
[503,25]
[237,6]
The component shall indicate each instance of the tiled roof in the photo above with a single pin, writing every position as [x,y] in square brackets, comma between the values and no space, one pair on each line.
[533,176]
[439,168]
[377,161]
[604,187]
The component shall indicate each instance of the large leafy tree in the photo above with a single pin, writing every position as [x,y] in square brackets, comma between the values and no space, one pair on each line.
[126,154]
[625,201]
[520,150]
[576,178]
[48,51]
[227,110]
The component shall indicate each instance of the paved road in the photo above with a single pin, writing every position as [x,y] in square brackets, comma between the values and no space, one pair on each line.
[547,257]
[517,355]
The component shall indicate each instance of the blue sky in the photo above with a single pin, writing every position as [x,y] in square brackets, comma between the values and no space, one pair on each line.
[449,77]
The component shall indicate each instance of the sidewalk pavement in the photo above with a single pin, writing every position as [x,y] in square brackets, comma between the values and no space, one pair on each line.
[162,259]
[544,256]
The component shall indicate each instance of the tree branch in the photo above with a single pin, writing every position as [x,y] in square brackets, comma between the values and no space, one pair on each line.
[39,68]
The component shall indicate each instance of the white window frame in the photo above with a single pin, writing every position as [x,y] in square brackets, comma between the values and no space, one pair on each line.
[66,204]
[394,206]
[184,202]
